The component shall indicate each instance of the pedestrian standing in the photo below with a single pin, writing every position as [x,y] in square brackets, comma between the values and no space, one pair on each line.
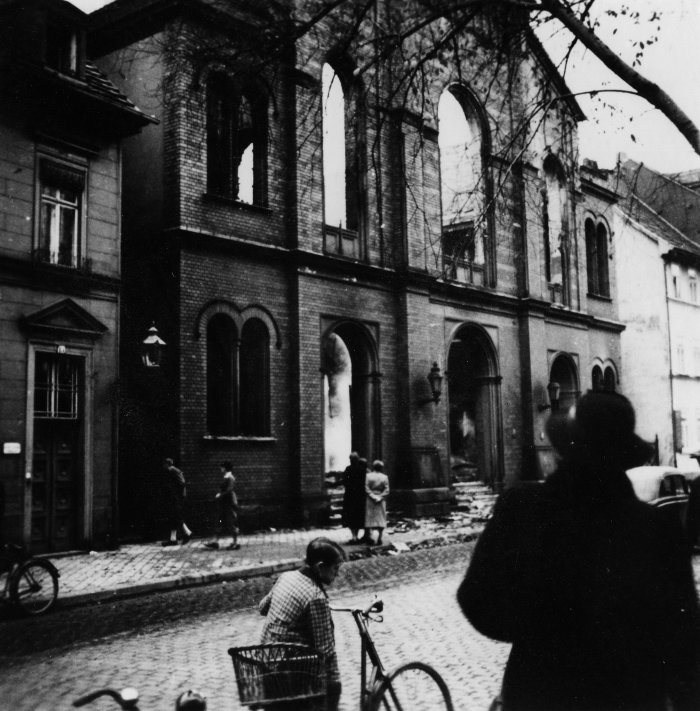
[354,496]
[174,493]
[227,504]
[376,491]
[297,611]
[593,588]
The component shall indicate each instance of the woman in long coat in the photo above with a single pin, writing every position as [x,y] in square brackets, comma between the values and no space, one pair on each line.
[593,587]
[377,490]
[354,496]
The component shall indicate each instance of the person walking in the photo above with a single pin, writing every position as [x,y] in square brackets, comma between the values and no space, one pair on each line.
[376,491]
[227,504]
[297,611]
[593,588]
[174,493]
[354,496]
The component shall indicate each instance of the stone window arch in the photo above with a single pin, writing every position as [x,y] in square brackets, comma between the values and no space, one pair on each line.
[237,359]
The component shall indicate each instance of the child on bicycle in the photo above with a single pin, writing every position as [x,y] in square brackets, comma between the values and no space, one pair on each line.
[298,611]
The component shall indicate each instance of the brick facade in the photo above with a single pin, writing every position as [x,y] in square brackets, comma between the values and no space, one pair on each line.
[395,304]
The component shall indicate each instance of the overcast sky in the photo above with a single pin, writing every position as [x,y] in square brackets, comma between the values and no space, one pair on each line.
[673,62]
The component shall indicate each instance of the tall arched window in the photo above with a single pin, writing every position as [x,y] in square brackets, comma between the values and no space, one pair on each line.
[597,378]
[597,258]
[555,221]
[236,141]
[238,377]
[222,393]
[462,182]
[342,166]
[254,378]
[334,187]
[609,380]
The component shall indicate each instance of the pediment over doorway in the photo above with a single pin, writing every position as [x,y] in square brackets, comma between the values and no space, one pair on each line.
[64,319]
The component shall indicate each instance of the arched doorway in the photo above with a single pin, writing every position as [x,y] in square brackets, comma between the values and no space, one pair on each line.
[476,447]
[565,373]
[350,395]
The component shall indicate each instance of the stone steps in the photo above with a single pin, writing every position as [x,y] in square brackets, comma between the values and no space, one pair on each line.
[474,498]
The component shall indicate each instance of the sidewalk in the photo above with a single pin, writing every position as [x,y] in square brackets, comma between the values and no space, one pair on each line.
[137,569]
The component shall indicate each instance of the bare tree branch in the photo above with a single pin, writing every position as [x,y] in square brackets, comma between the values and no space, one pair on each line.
[647,89]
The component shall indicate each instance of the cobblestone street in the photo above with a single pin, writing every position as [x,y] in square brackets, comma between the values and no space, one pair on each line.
[178,643]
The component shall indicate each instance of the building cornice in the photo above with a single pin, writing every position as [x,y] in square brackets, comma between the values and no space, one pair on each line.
[336,268]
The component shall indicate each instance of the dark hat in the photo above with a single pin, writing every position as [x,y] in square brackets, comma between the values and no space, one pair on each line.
[602,422]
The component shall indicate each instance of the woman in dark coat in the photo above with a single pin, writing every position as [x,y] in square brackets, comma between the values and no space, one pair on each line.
[354,496]
[593,587]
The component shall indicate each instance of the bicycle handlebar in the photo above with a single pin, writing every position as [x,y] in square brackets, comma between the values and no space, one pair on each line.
[127,699]
[375,606]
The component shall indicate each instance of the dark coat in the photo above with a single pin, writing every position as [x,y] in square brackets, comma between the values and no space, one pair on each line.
[595,591]
[174,492]
[354,496]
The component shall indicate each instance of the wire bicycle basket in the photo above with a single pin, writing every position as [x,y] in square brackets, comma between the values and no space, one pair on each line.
[271,673]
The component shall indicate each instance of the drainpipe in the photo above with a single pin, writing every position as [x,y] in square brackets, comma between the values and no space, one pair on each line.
[670,355]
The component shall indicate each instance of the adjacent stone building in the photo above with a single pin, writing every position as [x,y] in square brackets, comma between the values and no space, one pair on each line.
[61,123]
[658,262]
[315,233]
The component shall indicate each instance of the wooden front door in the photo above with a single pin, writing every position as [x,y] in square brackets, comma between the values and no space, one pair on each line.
[57,453]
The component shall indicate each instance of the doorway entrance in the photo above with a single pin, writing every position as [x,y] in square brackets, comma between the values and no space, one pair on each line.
[565,373]
[57,452]
[474,408]
[350,395]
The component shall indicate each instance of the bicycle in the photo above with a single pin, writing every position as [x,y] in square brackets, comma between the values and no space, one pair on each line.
[409,687]
[31,584]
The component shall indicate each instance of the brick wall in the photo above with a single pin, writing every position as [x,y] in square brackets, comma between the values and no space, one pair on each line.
[396,294]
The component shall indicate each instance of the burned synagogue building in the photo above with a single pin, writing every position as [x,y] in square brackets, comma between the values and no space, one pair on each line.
[353,231]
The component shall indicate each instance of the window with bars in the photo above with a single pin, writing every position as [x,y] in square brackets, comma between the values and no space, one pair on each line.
[60,194]
[462,256]
[56,387]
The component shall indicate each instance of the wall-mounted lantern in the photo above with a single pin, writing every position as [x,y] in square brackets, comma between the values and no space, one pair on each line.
[152,348]
[553,390]
[435,380]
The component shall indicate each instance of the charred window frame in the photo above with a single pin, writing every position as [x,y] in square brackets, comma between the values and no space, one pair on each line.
[555,229]
[464,187]
[237,129]
[343,154]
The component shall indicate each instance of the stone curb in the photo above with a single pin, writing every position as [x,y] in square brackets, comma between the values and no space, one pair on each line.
[253,571]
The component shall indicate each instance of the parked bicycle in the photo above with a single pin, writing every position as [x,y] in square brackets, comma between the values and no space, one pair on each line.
[409,687]
[31,584]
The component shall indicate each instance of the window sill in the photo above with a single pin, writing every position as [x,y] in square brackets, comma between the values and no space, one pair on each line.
[248,439]
[599,297]
[238,204]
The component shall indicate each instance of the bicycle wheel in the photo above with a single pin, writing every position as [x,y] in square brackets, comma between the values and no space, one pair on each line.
[411,687]
[34,587]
